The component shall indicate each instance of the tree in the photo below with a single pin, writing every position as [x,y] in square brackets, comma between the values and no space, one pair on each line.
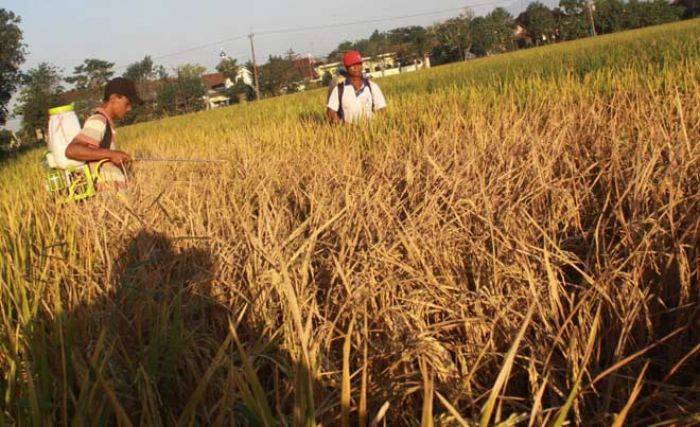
[88,79]
[12,52]
[91,75]
[376,44]
[609,16]
[41,89]
[482,36]
[229,68]
[272,75]
[690,8]
[6,138]
[184,93]
[279,75]
[161,73]
[574,23]
[453,38]
[644,13]
[539,21]
[492,33]
[409,42]
[148,78]
[144,70]
[337,54]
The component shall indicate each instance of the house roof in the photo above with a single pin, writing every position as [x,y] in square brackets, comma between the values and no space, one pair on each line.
[214,80]
[305,66]
[147,91]
[74,95]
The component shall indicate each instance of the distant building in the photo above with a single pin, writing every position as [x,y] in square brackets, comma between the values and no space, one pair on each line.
[245,75]
[305,66]
[217,85]
[386,64]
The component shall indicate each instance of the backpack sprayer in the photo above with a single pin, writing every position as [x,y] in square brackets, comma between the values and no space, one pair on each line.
[80,182]
[70,180]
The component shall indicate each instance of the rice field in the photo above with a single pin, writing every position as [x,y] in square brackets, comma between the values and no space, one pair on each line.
[514,243]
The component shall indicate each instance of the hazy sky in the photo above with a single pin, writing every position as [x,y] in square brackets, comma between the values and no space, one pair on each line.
[65,32]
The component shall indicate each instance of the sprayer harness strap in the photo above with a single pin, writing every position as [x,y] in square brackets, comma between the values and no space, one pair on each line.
[106,142]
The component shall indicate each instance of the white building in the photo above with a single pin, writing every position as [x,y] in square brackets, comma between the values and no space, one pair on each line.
[217,84]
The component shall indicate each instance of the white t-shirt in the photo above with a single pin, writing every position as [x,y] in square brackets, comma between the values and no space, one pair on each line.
[357,105]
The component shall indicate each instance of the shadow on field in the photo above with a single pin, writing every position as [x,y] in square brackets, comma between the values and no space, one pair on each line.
[157,321]
[159,348]
[147,339]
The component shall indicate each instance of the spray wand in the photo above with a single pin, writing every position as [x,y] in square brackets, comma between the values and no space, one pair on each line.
[175,160]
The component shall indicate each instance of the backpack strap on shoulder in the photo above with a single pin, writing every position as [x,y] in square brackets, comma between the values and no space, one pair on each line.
[341,91]
[371,94]
[106,142]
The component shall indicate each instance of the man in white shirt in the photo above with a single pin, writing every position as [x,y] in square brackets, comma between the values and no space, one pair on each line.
[357,99]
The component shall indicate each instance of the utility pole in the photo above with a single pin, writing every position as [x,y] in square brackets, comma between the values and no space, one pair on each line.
[255,66]
[591,7]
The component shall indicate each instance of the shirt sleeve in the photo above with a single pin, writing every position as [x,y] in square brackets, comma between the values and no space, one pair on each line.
[333,101]
[378,95]
[94,129]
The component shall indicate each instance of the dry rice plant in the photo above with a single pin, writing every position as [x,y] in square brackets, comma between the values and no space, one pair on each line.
[515,243]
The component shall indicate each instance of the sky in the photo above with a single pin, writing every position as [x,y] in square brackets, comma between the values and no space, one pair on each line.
[65,32]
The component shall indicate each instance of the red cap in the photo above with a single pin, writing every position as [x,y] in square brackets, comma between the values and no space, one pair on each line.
[351,58]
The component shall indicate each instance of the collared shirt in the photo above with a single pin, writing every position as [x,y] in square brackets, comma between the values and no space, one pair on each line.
[357,104]
[95,127]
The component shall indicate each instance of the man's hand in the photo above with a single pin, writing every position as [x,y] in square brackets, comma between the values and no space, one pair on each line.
[333,116]
[86,152]
[119,158]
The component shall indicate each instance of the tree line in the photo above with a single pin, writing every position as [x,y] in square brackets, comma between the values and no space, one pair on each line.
[467,35]
[181,89]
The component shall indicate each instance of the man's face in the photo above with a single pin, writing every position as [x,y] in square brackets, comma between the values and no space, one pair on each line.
[122,106]
[355,70]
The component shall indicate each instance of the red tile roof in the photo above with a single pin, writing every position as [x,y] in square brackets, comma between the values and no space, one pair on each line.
[306,67]
[213,80]
[74,95]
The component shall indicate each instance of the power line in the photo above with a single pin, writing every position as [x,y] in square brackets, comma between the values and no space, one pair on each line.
[191,49]
[323,27]
[374,21]
[232,39]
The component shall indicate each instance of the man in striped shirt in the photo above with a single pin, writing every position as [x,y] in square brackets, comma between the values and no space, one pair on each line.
[97,140]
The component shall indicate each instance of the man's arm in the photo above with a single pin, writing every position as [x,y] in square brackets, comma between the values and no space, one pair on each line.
[333,106]
[83,150]
[379,99]
[332,115]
